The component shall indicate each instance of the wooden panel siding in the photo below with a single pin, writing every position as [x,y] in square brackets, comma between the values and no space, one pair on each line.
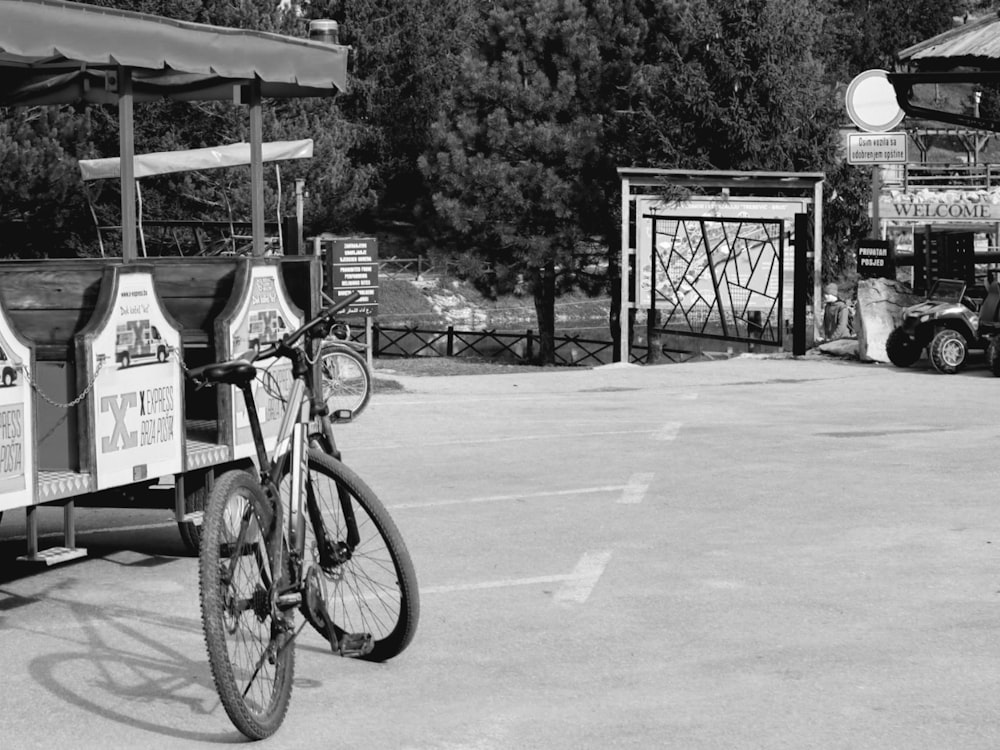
[49,301]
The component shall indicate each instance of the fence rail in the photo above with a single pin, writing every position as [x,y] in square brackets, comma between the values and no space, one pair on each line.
[510,347]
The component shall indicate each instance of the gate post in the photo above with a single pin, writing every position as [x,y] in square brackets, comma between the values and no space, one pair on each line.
[802,283]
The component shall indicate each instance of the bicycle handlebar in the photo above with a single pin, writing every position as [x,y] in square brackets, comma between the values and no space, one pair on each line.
[325,315]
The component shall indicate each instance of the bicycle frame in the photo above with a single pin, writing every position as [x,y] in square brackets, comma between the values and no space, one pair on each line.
[293,441]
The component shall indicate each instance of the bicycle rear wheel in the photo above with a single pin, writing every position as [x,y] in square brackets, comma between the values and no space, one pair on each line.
[251,655]
[347,382]
[375,590]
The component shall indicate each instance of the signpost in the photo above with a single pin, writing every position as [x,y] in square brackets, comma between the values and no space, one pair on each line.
[351,265]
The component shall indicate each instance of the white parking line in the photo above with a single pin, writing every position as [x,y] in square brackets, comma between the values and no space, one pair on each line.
[584,578]
[669,431]
[635,491]
[579,584]
[516,496]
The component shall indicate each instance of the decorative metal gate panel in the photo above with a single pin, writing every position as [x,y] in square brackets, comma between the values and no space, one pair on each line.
[717,278]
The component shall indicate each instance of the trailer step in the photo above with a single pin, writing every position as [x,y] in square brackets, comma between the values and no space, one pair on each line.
[54,556]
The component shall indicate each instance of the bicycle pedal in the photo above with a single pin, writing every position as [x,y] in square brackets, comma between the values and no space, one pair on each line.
[355,644]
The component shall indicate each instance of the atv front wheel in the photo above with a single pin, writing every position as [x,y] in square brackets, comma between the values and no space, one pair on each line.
[948,350]
[993,355]
[902,350]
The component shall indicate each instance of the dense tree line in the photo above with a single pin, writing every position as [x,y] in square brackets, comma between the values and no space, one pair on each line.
[495,128]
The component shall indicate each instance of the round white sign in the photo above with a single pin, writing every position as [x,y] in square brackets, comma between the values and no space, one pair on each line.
[871,102]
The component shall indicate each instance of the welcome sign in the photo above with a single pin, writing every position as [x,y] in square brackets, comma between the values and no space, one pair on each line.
[927,207]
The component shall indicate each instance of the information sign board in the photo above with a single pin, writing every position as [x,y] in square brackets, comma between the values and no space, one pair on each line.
[352,266]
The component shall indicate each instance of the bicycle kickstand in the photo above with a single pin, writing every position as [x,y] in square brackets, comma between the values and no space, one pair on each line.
[349,644]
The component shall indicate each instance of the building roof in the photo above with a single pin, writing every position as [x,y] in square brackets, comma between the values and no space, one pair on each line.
[974,44]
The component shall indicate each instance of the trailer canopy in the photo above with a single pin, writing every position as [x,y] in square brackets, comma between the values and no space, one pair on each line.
[54,52]
[213,157]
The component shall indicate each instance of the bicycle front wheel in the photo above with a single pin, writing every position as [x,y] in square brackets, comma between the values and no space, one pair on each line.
[252,656]
[347,381]
[373,591]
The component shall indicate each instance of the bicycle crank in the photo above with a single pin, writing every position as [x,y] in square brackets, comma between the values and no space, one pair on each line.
[314,608]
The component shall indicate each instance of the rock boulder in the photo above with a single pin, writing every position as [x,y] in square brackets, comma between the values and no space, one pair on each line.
[879,309]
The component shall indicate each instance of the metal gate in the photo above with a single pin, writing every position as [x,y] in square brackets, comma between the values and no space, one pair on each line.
[717,278]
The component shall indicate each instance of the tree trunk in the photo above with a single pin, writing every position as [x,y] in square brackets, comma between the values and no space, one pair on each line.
[544,289]
[614,315]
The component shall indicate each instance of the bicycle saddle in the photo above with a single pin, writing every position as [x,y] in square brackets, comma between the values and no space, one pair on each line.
[234,372]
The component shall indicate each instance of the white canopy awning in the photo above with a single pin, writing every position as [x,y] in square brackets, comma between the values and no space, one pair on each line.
[167,162]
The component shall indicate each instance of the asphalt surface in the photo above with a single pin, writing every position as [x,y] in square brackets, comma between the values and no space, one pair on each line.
[753,553]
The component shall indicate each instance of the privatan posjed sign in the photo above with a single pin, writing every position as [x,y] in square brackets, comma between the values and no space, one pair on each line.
[876,259]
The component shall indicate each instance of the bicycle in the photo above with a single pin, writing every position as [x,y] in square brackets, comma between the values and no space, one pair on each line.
[347,381]
[274,543]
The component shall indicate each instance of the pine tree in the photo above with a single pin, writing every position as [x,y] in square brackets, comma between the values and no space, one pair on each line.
[514,143]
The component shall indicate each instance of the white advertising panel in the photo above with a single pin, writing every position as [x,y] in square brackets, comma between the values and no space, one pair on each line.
[264,317]
[138,397]
[17,441]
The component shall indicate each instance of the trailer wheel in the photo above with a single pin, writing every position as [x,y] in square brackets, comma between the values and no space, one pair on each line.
[194,512]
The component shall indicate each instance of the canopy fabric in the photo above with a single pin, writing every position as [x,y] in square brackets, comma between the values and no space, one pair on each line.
[53,52]
[167,162]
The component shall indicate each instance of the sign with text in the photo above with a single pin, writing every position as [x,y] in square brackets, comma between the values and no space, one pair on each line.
[138,399]
[876,259]
[876,148]
[352,266]
[17,442]
[265,315]
[928,207]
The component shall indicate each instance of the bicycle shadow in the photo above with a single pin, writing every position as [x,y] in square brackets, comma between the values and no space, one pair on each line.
[122,673]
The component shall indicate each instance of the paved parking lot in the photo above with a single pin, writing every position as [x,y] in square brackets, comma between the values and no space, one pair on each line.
[756,553]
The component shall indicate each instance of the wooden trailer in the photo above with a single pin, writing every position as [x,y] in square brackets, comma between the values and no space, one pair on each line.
[93,403]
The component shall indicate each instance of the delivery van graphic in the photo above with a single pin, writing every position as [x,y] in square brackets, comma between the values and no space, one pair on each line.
[10,365]
[265,327]
[139,342]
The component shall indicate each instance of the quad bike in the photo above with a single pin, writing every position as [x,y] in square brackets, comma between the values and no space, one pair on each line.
[948,324]
[989,326]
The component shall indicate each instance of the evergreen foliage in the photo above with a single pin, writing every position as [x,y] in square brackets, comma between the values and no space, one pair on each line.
[495,127]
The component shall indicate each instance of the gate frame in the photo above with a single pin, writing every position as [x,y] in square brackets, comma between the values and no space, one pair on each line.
[642,181]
